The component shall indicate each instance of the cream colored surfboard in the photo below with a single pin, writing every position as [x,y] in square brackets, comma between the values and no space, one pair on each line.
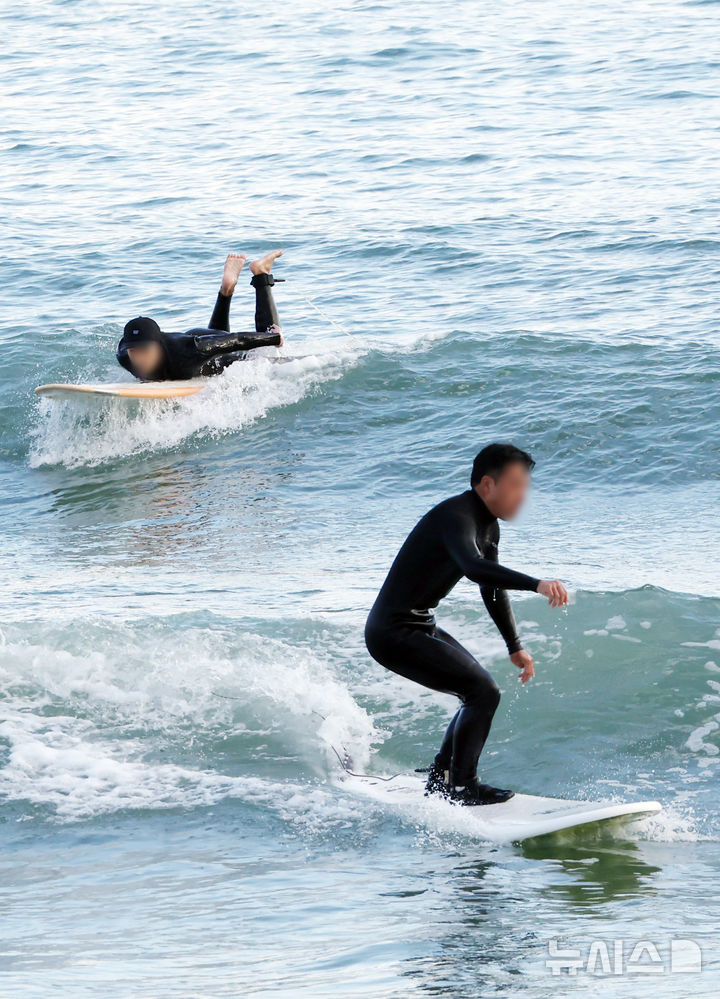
[124,390]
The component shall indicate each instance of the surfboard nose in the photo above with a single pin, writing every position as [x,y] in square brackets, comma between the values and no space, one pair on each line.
[123,390]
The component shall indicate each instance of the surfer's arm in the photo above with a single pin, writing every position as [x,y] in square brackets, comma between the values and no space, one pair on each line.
[458,534]
[211,344]
[123,358]
[498,606]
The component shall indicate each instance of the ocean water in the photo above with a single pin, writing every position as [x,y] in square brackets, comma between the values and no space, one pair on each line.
[510,214]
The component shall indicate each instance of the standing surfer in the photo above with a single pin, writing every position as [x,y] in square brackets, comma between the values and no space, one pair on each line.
[459,537]
[152,355]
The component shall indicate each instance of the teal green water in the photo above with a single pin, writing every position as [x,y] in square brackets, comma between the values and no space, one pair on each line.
[513,211]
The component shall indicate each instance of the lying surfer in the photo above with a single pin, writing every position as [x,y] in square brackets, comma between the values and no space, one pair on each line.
[152,355]
[457,538]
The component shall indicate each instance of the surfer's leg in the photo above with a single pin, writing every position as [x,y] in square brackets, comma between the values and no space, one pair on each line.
[436,660]
[266,314]
[471,729]
[468,731]
[220,319]
[443,758]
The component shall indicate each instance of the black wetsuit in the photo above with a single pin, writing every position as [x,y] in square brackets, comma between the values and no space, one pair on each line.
[457,538]
[204,351]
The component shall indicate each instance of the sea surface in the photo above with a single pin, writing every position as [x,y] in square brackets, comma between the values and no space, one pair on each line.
[500,221]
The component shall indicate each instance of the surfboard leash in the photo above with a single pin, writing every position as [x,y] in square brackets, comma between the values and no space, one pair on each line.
[347,769]
[320,312]
[343,760]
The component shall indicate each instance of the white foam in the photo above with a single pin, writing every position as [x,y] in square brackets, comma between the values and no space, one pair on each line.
[616,623]
[133,695]
[671,825]
[80,778]
[696,740]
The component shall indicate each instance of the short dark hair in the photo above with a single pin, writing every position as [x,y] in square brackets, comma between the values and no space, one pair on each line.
[493,459]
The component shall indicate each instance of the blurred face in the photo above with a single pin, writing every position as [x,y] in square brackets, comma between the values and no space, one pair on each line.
[505,495]
[146,358]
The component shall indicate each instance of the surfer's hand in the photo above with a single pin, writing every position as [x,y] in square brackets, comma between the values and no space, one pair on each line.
[554,590]
[524,662]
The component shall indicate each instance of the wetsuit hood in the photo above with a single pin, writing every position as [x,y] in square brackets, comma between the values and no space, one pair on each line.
[141,330]
[138,331]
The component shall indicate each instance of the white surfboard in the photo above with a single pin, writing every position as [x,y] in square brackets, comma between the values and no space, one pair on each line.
[524,816]
[124,390]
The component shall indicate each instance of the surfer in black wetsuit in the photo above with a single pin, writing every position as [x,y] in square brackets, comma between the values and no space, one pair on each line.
[457,538]
[152,355]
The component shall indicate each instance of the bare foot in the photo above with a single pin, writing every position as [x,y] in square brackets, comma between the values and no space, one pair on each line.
[276,329]
[233,265]
[264,264]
